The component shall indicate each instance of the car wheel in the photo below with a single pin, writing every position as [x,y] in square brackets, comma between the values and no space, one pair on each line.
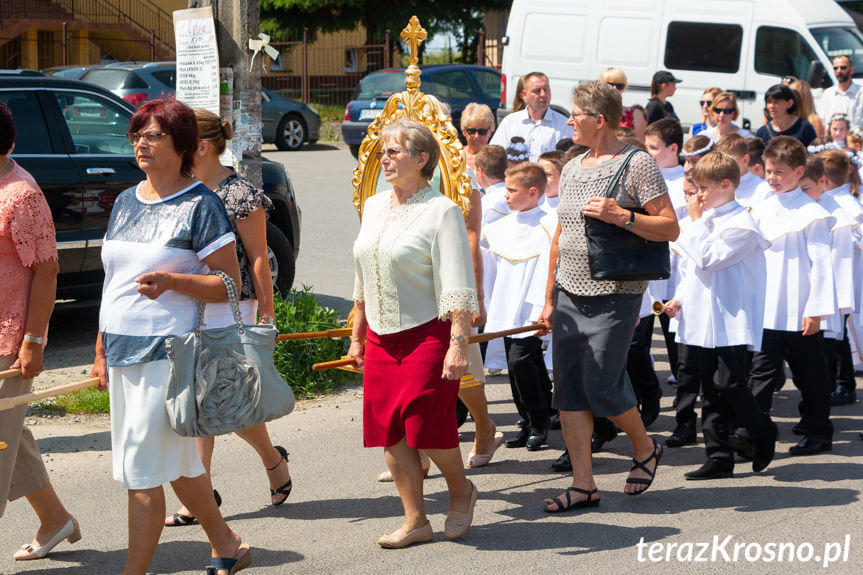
[355,150]
[280,256]
[290,133]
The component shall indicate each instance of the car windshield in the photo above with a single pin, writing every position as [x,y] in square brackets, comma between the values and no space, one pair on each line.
[115,79]
[383,84]
[841,41]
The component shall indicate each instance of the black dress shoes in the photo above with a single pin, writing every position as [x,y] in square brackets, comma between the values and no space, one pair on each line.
[742,445]
[810,445]
[597,441]
[765,448]
[712,469]
[650,406]
[843,396]
[519,440]
[537,438]
[681,437]
[562,463]
[554,421]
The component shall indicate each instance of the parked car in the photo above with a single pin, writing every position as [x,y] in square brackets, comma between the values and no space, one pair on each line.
[454,84]
[71,136]
[286,123]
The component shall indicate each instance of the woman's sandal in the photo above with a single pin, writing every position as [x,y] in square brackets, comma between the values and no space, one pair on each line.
[286,488]
[386,476]
[657,454]
[230,564]
[180,520]
[569,505]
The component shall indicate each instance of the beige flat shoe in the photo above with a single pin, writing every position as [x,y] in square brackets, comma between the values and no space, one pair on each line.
[386,476]
[458,522]
[483,459]
[398,539]
[28,552]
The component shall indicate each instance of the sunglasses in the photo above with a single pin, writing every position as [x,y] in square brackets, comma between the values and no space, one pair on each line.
[619,86]
[474,131]
[728,111]
[840,67]
[703,103]
[392,153]
[788,80]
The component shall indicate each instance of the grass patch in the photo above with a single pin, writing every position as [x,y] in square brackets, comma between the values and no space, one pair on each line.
[88,400]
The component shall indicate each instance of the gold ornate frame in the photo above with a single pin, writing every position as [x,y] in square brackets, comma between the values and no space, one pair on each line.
[426,109]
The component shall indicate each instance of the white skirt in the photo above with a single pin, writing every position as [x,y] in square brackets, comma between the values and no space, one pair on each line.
[145,450]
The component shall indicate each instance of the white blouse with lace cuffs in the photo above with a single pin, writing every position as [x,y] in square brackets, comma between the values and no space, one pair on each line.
[413,262]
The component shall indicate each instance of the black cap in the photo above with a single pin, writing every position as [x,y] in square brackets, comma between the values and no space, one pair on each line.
[665,77]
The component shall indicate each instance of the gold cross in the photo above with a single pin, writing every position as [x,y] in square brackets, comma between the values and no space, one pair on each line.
[413,35]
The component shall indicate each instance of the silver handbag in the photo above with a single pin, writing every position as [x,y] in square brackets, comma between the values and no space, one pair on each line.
[223,380]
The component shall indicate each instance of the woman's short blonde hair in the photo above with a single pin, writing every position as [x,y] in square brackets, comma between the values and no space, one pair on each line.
[597,97]
[615,75]
[725,97]
[212,128]
[478,112]
[417,138]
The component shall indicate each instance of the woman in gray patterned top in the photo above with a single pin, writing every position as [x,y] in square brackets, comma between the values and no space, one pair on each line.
[593,321]
[247,208]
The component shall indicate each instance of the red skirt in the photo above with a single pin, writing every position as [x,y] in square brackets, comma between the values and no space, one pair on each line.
[403,392]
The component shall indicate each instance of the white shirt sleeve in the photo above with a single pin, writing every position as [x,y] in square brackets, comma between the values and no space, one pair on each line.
[455,283]
[822,295]
[715,253]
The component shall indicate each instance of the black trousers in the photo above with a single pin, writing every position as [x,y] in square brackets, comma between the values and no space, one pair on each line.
[639,364]
[723,373]
[840,364]
[528,379]
[689,379]
[805,356]
[670,344]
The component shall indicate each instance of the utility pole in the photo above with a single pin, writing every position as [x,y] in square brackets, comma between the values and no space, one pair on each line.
[236,22]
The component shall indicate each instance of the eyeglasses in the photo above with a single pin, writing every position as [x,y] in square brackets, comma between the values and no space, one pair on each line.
[728,111]
[151,137]
[574,115]
[474,131]
[703,103]
[392,153]
[788,80]
[619,86]
[840,67]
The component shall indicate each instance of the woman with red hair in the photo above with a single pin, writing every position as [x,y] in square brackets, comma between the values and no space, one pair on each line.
[164,236]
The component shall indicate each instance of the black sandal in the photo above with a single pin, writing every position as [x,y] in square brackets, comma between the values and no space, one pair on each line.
[657,454]
[286,488]
[180,520]
[589,502]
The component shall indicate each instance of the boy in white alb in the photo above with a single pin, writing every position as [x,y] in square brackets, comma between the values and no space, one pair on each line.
[842,247]
[752,189]
[516,245]
[490,170]
[718,322]
[800,293]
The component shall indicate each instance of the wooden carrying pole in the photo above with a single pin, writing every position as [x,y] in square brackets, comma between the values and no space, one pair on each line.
[341,332]
[345,361]
[11,402]
[9,373]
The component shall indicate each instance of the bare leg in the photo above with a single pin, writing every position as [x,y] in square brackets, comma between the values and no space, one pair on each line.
[577,427]
[146,510]
[206,447]
[642,446]
[475,401]
[52,515]
[196,495]
[404,464]
[450,463]
[277,472]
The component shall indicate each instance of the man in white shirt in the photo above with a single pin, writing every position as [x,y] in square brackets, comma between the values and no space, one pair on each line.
[540,126]
[844,97]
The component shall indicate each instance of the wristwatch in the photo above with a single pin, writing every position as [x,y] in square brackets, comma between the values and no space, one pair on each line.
[631,223]
[31,339]
[458,338]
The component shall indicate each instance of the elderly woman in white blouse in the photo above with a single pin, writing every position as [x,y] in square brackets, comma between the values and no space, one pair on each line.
[414,297]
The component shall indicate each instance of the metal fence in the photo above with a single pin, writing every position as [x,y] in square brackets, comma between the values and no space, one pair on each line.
[58,47]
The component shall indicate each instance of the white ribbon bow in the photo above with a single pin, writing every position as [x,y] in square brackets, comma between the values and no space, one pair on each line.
[262,44]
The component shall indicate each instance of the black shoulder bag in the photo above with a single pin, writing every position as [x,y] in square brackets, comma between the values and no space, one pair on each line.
[615,254]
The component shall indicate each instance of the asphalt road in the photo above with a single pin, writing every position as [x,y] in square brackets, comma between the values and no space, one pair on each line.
[337,509]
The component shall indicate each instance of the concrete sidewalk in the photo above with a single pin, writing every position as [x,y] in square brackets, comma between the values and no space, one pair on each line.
[337,510]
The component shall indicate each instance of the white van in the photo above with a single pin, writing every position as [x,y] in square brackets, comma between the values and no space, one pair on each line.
[742,46]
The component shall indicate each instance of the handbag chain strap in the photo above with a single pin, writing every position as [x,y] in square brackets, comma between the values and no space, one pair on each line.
[231,288]
[609,191]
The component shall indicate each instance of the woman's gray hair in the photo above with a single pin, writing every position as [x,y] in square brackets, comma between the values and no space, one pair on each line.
[479,112]
[596,97]
[417,138]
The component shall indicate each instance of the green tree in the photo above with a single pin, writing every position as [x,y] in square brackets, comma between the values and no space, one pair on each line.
[285,19]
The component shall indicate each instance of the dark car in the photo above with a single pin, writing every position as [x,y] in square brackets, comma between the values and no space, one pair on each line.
[286,123]
[456,85]
[71,136]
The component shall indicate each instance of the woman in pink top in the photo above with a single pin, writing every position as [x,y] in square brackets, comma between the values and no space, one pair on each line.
[28,274]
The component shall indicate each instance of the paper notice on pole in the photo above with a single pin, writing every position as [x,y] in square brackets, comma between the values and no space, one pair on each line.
[197,58]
